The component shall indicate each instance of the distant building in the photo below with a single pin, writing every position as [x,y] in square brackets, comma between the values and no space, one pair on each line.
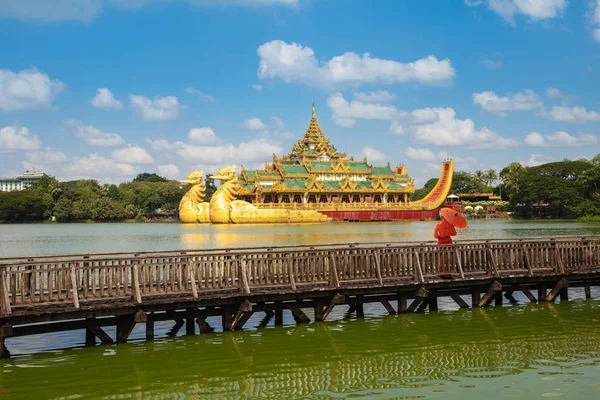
[21,182]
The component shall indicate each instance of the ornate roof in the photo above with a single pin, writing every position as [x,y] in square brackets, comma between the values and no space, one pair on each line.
[314,144]
[315,165]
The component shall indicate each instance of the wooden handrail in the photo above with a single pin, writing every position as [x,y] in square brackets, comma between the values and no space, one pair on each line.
[295,268]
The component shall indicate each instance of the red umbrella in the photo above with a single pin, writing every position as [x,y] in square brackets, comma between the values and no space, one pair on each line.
[453,217]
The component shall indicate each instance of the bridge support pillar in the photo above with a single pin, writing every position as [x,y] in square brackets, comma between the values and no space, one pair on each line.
[542,290]
[459,300]
[190,327]
[90,338]
[475,297]
[93,331]
[420,297]
[388,307]
[150,326]
[433,303]
[299,315]
[561,286]
[588,292]
[402,304]
[495,287]
[360,309]
[5,331]
[509,296]
[321,312]
[529,295]
[203,325]
[230,320]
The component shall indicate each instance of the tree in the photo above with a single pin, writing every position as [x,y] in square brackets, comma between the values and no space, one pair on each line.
[480,176]
[146,177]
[511,177]
[21,206]
[210,187]
[491,176]
[421,193]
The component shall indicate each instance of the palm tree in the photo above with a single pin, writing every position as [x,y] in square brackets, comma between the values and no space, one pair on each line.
[511,175]
[491,176]
[480,176]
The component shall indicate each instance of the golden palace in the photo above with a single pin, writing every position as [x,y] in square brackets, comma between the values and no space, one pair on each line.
[314,182]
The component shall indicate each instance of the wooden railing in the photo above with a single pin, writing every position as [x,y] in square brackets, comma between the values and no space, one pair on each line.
[70,280]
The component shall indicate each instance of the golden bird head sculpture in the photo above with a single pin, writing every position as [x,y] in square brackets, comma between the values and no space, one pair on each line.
[195,178]
[225,174]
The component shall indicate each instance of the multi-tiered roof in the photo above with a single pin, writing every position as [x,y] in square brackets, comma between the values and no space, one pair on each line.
[315,165]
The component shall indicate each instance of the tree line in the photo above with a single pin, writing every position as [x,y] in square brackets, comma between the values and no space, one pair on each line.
[562,189]
[147,196]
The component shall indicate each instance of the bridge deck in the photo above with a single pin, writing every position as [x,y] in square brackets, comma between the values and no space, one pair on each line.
[61,292]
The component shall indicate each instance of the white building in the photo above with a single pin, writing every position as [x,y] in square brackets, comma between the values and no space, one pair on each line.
[21,182]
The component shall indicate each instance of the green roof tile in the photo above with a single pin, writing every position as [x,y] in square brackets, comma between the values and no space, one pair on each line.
[321,165]
[357,166]
[381,171]
[294,183]
[293,169]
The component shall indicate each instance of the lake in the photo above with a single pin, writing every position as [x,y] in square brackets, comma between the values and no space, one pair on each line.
[509,352]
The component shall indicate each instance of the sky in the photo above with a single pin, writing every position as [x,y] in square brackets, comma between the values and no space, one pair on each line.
[107,89]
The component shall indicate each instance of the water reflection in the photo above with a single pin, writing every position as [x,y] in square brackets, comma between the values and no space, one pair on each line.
[37,239]
[478,352]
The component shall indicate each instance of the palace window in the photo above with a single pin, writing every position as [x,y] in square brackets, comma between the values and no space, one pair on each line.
[345,198]
[268,198]
[323,199]
[297,198]
[312,198]
[356,198]
[391,198]
[377,198]
[249,199]
[285,198]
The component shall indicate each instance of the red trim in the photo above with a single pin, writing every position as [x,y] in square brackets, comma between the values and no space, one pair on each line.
[363,216]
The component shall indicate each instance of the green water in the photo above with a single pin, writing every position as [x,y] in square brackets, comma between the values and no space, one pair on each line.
[511,352]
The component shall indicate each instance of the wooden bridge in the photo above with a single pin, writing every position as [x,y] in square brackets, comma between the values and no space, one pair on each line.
[91,291]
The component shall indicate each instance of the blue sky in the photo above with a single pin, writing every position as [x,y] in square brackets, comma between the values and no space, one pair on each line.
[107,89]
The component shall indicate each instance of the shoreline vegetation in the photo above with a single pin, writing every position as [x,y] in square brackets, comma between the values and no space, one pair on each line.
[568,189]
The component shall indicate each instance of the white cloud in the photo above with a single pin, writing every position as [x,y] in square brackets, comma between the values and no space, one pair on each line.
[345,114]
[373,155]
[200,94]
[594,18]
[88,10]
[296,63]
[535,160]
[254,124]
[258,88]
[157,109]
[380,96]
[396,128]
[169,171]
[449,131]
[13,138]
[278,122]
[203,136]
[255,150]
[491,64]
[560,139]
[94,136]
[106,99]
[46,156]
[534,9]
[98,167]
[522,101]
[565,98]
[28,89]
[132,155]
[576,114]
[162,144]
[420,154]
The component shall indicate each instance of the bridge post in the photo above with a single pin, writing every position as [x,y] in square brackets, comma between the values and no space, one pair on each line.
[420,297]
[494,288]
[4,297]
[5,331]
[561,285]
[402,304]
[150,326]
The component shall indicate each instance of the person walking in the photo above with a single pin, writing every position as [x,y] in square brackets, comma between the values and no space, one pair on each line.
[443,232]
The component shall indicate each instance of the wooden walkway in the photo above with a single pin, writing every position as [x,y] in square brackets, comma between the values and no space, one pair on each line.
[89,291]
